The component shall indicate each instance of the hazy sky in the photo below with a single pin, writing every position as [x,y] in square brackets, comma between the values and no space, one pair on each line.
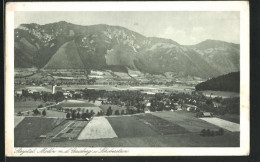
[184,27]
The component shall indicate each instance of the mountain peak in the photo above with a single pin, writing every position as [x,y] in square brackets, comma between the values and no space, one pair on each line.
[101,46]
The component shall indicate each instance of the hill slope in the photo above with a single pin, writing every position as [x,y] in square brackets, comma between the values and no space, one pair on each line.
[67,57]
[65,45]
[229,82]
[222,56]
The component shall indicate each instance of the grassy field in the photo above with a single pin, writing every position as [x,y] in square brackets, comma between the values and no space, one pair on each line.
[113,107]
[37,88]
[222,94]
[51,113]
[17,120]
[82,104]
[68,130]
[233,127]
[186,120]
[128,126]
[97,128]
[177,140]
[76,103]
[230,117]
[160,125]
[158,129]
[27,105]
[27,132]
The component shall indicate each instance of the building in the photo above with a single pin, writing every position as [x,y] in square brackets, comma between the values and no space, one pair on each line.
[56,89]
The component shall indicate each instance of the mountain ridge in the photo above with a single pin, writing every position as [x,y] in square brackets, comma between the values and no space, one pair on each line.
[103,46]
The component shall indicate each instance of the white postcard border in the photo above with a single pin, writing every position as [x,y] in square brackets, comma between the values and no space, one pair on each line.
[241,6]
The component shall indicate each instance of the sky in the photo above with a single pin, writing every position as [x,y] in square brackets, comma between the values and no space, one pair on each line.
[184,27]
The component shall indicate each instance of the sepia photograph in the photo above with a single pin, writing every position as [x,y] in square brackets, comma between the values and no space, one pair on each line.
[123,80]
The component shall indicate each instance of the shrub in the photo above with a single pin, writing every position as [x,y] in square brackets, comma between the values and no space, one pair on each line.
[208,132]
[78,115]
[203,132]
[221,131]
[68,115]
[43,113]
[116,112]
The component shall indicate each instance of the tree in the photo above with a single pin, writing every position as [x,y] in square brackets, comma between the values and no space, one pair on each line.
[221,131]
[58,97]
[36,112]
[19,113]
[68,115]
[44,113]
[73,115]
[117,112]
[122,112]
[92,113]
[78,115]
[109,111]
[84,116]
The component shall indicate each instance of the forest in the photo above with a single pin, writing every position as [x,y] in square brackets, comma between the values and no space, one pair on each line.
[229,82]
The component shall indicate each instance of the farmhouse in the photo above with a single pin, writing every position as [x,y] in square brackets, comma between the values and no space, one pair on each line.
[18,92]
[146,110]
[189,107]
[204,114]
[56,89]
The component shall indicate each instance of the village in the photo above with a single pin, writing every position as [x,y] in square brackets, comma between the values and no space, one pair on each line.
[81,109]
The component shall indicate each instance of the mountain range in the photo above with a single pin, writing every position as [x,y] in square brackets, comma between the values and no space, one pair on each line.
[63,45]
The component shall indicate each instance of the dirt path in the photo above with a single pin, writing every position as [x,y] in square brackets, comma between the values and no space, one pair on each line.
[233,127]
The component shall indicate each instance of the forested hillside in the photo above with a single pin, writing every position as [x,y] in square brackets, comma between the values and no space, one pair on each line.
[229,82]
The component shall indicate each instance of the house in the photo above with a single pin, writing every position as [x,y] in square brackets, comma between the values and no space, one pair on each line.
[56,89]
[206,114]
[203,114]
[146,110]
[216,104]
[18,92]
[190,107]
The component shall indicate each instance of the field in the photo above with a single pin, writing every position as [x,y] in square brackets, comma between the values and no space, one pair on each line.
[27,105]
[231,117]
[57,114]
[160,125]
[76,103]
[220,94]
[233,127]
[68,130]
[28,131]
[79,104]
[17,120]
[97,128]
[186,120]
[177,140]
[128,126]
[157,129]
[35,88]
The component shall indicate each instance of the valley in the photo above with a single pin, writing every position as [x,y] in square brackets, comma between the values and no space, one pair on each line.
[108,86]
